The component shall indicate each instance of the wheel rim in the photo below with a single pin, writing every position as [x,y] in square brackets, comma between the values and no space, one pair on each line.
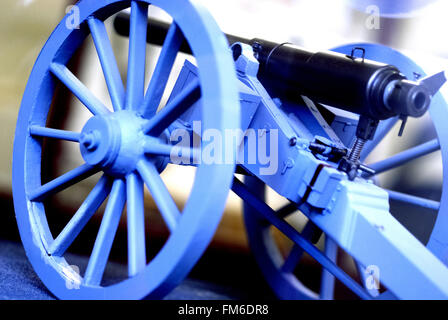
[270,260]
[201,215]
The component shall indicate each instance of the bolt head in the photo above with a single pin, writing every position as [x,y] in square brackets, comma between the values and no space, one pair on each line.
[293,141]
[90,140]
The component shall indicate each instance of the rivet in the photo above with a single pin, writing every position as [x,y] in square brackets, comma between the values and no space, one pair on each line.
[293,141]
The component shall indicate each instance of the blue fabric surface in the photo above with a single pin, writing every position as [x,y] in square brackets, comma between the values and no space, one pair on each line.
[19,282]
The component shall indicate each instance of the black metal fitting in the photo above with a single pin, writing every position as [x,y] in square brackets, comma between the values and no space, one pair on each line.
[326,150]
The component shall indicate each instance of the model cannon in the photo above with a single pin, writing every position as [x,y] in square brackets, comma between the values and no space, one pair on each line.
[278,97]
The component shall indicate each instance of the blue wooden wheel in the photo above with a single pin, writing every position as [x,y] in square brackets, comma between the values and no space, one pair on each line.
[124,145]
[278,269]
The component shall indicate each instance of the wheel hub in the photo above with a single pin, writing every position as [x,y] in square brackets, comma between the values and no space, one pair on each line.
[115,142]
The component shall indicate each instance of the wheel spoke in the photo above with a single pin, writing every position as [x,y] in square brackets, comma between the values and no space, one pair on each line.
[416,201]
[78,89]
[153,146]
[137,55]
[328,280]
[383,129]
[286,210]
[38,131]
[174,109]
[106,234]
[170,48]
[160,193]
[108,62]
[293,259]
[81,217]
[136,224]
[406,156]
[263,209]
[296,253]
[66,180]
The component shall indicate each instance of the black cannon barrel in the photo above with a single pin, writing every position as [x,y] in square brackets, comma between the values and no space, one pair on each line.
[350,82]
[157,31]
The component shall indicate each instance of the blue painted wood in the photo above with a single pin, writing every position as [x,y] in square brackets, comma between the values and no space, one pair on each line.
[115,143]
[160,194]
[38,131]
[106,234]
[108,62]
[262,208]
[291,262]
[136,224]
[264,246]
[137,56]
[62,182]
[328,280]
[156,88]
[124,145]
[414,200]
[79,90]
[174,109]
[89,207]
[405,156]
